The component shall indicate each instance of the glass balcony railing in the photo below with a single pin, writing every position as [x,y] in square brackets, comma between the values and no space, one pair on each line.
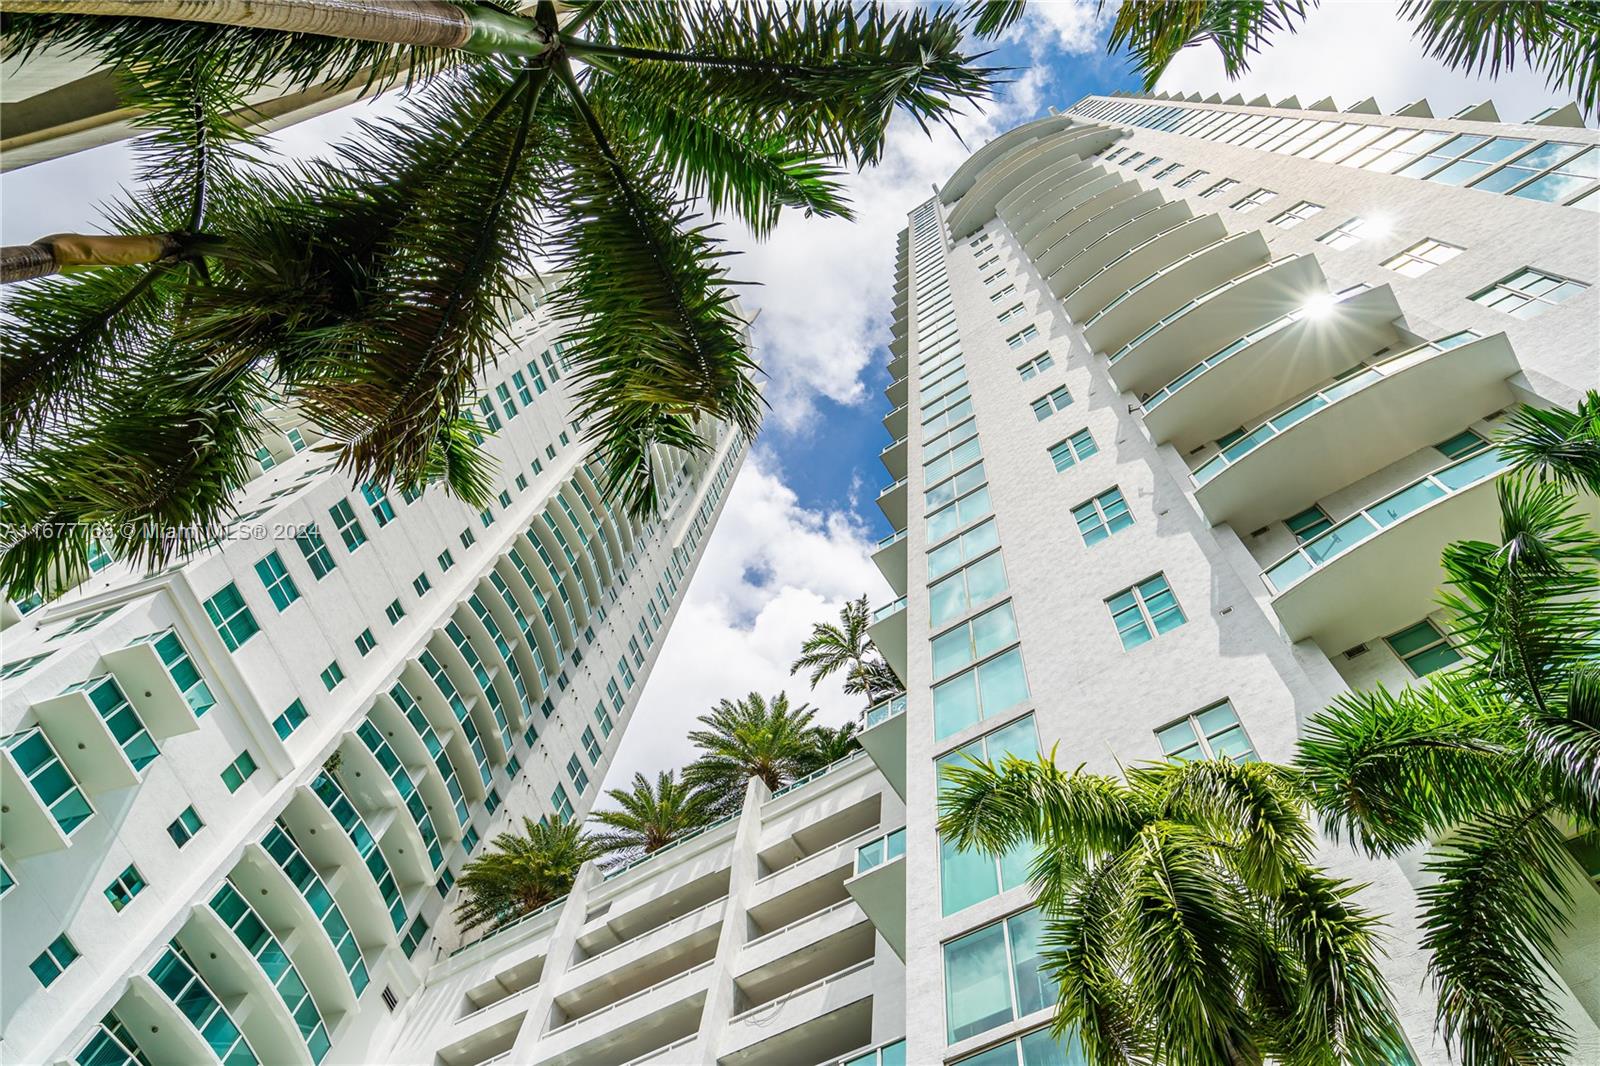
[889,609]
[884,710]
[234,911]
[1318,551]
[891,487]
[1302,409]
[899,442]
[1150,279]
[182,984]
[344,812]
[1109,234]
[892,538]
[1133,251]
[617,871]
[1221,355]
[1204,297]
[877,852]
[1091,189]
[813,775]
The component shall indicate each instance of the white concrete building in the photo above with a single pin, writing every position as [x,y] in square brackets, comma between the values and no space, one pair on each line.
[1193,393]
[236,792]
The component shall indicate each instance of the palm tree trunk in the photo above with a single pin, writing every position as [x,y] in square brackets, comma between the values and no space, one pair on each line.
[72,251]
[409,23]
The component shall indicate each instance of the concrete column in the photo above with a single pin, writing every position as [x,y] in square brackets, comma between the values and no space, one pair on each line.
[721,999]
[558,960]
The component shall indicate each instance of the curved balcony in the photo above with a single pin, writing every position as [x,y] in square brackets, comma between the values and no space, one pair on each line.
[1172,286]
[180,1019]
[1352,428]
[1111,235]
[1378,569]
[891,559]
[978,205]
[1269,365]
[1055,243]
[404,725]
[884,738]
[892,502]
[287,896]
[967,173]
[1024,211]
[1140,260]
[888,632]
[1207,321]
[379,781]
[340,842]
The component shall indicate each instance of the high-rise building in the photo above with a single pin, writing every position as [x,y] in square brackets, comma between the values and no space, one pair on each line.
[1188,397]
[237,791]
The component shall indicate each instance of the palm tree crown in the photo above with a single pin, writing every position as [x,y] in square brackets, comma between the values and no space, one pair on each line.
[847,647]
[521,872]
[751,738]
[649,817]
[369,290]
[829,744]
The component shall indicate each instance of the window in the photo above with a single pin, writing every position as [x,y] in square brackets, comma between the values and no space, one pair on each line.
[228,612]
[18,667]
[996,276]
[1345,234]
[1421,258]
[1057,399]
[1461,445]
[1423,648]
[982,692]
[486,516]
[491,802]
[563,805]
[603,719]
[977,583]
[469,839]
[316,551]
[1190,178]
[348,525]
[993,975]
[1296,214]
[1011,312]
[575,770]
[1143,610]
[549,451]
[505,497]
[280,586]
[1026,334]
[969,877]
[332,674]
[409,943]
[626,671]
[420,585]
[1131,157]
[1579,170]
[382,509]
[1154,160]
[446,880]
[446,560]
[1214,733]
[1075,449]
[467,537]
[1036,366]
[1254,200]
[297,440]
[1166,170]
[53,960]
[1308,523]
[238,771]
[591,745]
[121,891]
[365,642]
[1528,293]
[1038,1048]
[185,826]
[1102,516]
[491,421]
[394,612]
[264,459]
[290,720]
[996,628]
[1222,186]
[522,387]
[503,391]
[1000,294]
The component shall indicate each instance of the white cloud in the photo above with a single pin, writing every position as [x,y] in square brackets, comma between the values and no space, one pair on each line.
[1351,51]
[1074,27]
[770,570]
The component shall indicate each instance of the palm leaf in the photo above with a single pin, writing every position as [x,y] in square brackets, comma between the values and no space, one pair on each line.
[1554,444]
[991,18]
[1561,39]
[1154,31]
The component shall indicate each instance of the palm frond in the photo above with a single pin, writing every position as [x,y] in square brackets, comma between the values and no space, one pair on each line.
[998,808]
[1557,445]
[1082,952]
[991,18]
[651,327]
[1489,921]
[1154,31]
[1565,743]
[521,872]
[1560,39]
[1257,808]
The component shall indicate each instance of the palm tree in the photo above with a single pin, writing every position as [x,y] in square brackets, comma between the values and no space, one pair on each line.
[1557,36]
[846,646]
[1494,764]
[522,872]
[829,744]
[750,738]
[1184,919]
[369,290]
[649,817]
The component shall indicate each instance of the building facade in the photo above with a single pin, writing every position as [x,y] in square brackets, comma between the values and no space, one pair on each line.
[1193,394]
[237,791]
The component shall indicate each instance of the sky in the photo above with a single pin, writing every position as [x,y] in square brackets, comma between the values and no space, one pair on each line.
[798,530]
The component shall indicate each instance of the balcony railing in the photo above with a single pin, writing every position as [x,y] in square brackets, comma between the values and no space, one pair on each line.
[680,975]
[1151,278]
[891,487]
[1318,551]
[889,609]
[877,852]
[678,921]
[813,775]
[641,860]
[775,1004]
[892,538]
[1301,409]
[1132,251]
[1112,232]
[1197,301]
[1166,392]
[898,442]
[886,709]
[525,919]
[771,934]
